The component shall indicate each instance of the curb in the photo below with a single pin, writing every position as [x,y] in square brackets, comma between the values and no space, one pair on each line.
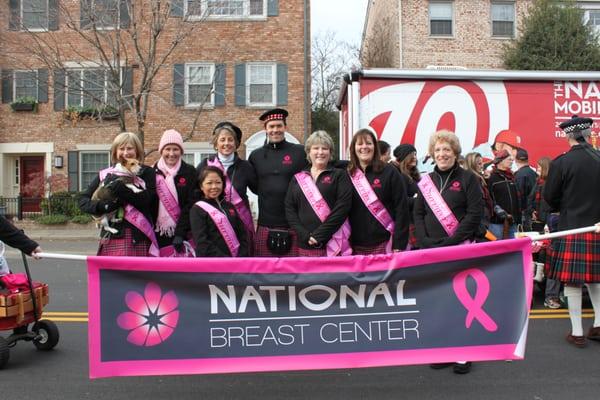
[68,231]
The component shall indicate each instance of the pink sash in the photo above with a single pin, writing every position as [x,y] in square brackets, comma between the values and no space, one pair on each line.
[232,196]
[373,204]
[338,245]
[133,216]
[438,205]
[166,197]
[224,227]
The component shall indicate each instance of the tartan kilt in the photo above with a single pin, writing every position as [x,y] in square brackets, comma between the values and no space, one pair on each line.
[322,252]
[369,250]
[124,246]
[575,258]
[260,243]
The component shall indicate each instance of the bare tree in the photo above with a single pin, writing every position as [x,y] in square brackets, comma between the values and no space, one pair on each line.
[380,46]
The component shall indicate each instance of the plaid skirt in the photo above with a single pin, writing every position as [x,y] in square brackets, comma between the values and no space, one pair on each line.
[124,246]
[575,259]
[369,250]
[260,243]
[322,252]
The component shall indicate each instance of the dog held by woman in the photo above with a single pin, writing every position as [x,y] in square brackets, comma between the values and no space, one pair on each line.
[125,171]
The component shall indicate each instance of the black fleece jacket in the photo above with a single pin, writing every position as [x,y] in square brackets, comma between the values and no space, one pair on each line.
[389,187]
[275,165]
[241,174]
[334,185]
[14,237]
[461,190]
[504,192]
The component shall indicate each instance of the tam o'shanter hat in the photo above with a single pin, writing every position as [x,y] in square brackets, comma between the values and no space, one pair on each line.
[576,123]
[276,114]
[231,127]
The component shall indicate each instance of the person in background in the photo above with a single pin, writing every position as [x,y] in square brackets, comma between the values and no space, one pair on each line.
[474,163]
[239,174]
[572,188]
[503,190]
[507,140]
[318,201]
[406,161]
[275,164]
[135,230]
[216,228]
[460,190]
[378,226]
[175,185]
[525,179]
[385,151]
[15,237]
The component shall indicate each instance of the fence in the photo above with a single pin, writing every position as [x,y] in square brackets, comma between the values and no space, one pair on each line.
[27,207]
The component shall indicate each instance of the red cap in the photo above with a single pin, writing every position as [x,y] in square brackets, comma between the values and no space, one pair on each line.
[509,137]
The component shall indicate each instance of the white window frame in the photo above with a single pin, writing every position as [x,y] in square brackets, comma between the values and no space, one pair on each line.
[446,2]
[211,102]
[273,84]
[23,27]
[586,15]
[81,68]
[514,20]
[14,82]
[117,24]
[199,150]
[80,164]
[245,16]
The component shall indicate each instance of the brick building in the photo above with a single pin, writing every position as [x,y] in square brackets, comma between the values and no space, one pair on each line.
[453,33]
[244,56]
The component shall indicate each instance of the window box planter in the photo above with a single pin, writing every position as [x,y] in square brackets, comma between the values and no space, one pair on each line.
[75,114]
[24,104]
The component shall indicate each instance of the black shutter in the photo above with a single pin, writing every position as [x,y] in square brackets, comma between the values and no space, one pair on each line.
[14,23]
[240,85]
[85,11]
[42,84]
[179,84]
[7,85]
[53,12]
[124,14]
[272,8]
[220,85]
[177,8]
[59,90]
[127,92]
[282,84]
[73,170]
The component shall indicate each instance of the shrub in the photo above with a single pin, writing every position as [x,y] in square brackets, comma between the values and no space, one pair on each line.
[55,219]
[81,219]
[64,203]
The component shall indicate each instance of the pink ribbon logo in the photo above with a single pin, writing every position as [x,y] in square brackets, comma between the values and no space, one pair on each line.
[474,305]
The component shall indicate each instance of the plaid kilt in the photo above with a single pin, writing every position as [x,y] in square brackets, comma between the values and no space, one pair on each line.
[575,259]
[369,250]
[124,246]
[322,252]
[412,238]
[260,243]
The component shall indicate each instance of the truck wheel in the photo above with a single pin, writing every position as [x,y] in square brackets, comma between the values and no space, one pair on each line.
[4,352]
[48,334]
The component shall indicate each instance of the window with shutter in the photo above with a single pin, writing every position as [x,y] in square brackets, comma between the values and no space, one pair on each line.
[103,14]
[226,9]
[90,163]
[25,84]
[34,15]
[90,87]
[261,84]
[199,84]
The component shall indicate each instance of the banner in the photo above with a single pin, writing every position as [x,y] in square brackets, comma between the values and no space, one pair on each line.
[163,316]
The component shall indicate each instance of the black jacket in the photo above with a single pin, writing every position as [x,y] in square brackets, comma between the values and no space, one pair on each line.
[334,185]
[504,193]
[389,187]
[14,237]
[411,190]
[207,237]
[572,187]
[145,201]
[525,179]
[462,192]
[186,183]
[241,174]
[275,165]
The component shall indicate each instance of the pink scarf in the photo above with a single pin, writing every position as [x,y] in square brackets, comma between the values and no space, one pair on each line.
[165,225]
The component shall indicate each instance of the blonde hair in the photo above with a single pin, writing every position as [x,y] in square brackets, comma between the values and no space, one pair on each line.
[127,138]
[228,130]
[446,137]
[316,138]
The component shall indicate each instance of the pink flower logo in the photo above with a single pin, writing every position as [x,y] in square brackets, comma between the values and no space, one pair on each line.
[152,317]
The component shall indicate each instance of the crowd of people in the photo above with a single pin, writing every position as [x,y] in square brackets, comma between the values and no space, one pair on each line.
[377,202]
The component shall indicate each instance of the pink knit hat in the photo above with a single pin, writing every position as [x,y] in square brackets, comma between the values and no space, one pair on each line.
[170,136]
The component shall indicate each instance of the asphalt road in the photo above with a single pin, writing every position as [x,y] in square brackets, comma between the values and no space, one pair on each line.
[551,370]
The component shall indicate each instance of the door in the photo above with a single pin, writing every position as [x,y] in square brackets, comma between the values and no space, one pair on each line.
[32,182]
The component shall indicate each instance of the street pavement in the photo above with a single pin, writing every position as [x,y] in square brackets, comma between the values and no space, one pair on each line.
[551,370]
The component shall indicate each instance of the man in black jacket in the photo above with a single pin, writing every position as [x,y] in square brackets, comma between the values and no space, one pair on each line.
[275,164]
[525,179]
[572,187]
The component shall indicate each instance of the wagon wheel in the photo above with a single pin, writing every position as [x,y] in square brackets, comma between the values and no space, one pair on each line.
[48,334]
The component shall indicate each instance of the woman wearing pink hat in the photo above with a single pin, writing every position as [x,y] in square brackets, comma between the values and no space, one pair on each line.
[175,185]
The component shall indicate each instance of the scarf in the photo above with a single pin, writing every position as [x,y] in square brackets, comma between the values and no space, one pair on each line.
[226,161]
[508,174]
[165,225]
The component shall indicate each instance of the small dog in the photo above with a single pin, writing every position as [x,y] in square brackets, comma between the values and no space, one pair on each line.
[128,169]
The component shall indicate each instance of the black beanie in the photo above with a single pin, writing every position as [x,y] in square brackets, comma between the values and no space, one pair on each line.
[403,150]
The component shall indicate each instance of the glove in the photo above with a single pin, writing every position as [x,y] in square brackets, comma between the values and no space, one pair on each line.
[104,207]
[500,213]
[178,244]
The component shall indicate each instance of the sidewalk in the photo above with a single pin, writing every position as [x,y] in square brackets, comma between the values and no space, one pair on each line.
[68,231]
